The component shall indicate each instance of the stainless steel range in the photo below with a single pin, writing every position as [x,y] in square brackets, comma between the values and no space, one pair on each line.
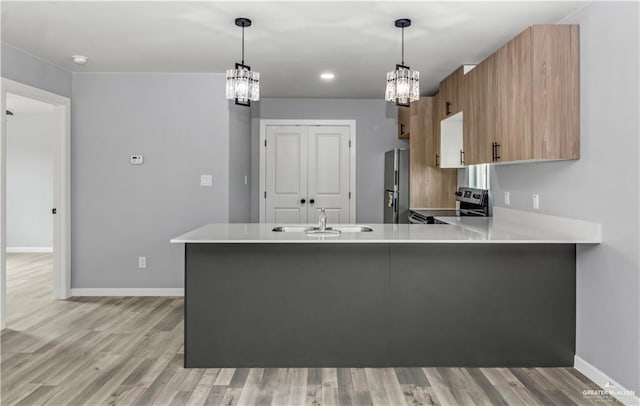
[473,202]
[429,216]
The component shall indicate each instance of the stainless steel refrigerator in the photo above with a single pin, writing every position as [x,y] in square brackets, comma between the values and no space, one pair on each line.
[396,186]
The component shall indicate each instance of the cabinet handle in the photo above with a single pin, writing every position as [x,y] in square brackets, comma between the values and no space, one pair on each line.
[447,108]
[493,152]
[497,152]
[311,201]
[461,157]
[437,161]
[401,129]
[303,201]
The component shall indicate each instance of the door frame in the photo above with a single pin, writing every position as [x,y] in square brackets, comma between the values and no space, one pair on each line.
[264,123]
[61,190]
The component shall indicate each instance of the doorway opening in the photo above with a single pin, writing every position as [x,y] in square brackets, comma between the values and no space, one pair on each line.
[35,185]
[30,165]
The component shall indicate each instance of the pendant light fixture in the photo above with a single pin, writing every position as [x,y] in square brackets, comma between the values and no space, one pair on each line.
[403,84]
[243,84]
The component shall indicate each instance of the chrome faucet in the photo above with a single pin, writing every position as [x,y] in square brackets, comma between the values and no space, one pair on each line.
[322,218]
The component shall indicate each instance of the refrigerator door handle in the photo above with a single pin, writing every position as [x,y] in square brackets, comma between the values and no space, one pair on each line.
[396,214]
[390,199]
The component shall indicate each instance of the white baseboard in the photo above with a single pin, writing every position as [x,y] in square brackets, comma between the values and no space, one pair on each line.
[29,250]
[618,391]
[127,292]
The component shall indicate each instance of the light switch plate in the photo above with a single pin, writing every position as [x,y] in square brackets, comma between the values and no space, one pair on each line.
[136,159]
[507,198]
[206,180]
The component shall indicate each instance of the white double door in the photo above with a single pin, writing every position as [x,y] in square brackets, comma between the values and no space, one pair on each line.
[307,168]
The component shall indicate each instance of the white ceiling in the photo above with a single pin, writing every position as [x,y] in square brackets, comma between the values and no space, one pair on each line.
[290,43]
[24,105]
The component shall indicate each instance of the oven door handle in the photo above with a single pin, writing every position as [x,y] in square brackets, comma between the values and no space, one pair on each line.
[471,212]
[414,220]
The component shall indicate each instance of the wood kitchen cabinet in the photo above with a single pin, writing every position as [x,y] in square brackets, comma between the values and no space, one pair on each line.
[478,113]
[450,100]
[522,102]
[404,125]
[430,187]
[419,150]
[510,138]
[555,85]
[434,159]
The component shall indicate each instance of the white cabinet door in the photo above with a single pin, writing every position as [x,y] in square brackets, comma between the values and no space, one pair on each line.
[328,172]
[307,168]
[451,142]
[286,174]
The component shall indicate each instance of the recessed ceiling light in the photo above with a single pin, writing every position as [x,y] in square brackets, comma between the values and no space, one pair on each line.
[327,76]
[80,59]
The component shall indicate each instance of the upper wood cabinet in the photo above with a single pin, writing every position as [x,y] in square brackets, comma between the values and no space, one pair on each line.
[555,84]
[434,158]
[511,93]
[419,149]
[404,125]
[430,187]
[478,113]
[450,100]
[522,102]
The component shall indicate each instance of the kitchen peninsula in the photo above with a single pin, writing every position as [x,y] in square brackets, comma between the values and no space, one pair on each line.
[497,291]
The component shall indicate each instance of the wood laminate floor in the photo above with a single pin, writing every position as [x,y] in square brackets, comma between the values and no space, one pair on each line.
[128,351]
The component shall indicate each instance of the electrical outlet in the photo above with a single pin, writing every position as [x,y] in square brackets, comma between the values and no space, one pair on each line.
[507,198]
[536,201]
[142,262]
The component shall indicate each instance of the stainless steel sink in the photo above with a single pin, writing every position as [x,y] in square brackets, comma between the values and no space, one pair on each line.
[352,229]
[317,231]
[292,229]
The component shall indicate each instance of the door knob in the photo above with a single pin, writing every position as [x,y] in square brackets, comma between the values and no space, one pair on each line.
[311,201]
[303,201]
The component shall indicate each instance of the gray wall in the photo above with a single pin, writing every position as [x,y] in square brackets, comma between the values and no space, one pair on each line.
[376,132]
[602,187]
[28,69]
[30,168]
[179,122]
[239,163]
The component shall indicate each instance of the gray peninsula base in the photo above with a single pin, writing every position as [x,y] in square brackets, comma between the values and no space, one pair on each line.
[377,305]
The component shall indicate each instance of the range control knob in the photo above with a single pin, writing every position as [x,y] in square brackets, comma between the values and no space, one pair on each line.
[458,193]
[476,196]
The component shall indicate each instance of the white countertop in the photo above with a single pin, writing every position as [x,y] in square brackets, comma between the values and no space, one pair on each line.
[506,227]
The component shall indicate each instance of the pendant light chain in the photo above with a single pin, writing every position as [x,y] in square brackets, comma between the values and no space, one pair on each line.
[243,43]
[402,45]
